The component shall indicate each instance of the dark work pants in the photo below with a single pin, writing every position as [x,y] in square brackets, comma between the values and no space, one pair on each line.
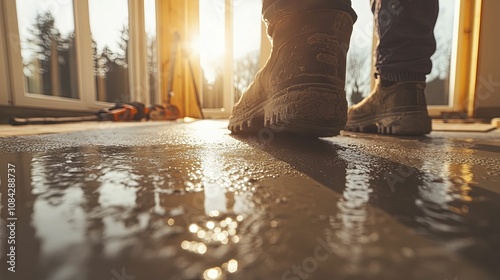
[405,29]
[406,32]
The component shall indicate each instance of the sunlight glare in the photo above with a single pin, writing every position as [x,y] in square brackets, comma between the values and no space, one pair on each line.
[212,40]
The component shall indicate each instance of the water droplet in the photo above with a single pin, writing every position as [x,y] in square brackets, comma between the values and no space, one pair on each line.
[202,249]
[185,245]
[201,234]
[193,228]
[212,273]
[232,266]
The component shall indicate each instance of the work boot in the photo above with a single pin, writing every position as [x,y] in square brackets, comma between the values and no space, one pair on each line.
[301,87]
[399,109]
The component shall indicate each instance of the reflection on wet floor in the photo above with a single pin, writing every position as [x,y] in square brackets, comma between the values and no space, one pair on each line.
[189,201]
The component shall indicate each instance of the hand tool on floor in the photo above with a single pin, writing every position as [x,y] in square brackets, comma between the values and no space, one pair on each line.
[134,111]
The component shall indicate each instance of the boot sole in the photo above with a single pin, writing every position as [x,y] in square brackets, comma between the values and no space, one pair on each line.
[401,123]
[314,110]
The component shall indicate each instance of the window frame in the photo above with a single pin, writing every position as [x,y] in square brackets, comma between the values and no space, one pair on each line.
[87,101]
[455,62]
[159,75]
[228,90]
[23,98]
[138,70]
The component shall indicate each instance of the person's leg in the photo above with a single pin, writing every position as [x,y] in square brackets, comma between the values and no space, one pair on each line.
[301,88]
[397,105]
[405,29]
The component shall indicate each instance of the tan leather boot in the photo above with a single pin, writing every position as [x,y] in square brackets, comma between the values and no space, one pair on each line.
[301,88]
[400,109]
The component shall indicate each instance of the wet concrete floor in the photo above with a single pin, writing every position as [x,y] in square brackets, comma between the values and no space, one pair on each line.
[190,201]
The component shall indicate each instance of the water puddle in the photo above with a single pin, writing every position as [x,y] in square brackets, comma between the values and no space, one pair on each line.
[209,206]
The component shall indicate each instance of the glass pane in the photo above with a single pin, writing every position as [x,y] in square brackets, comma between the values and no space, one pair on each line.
[212,48]
[150,15]
[109,25]
[438,81]
[359,58]
[48,47]
[247,38]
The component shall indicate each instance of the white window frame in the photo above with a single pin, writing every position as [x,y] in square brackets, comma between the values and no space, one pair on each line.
[139,84]
[436,110]
[159,76]
[228,94]
[4,78]
[138,62]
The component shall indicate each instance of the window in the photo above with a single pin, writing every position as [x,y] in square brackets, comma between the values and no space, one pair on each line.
[80,55]
[110,49]
[48,48]
[212,52]
[246,42]
[359,58]
[152,51]
[438,81]
[230,36]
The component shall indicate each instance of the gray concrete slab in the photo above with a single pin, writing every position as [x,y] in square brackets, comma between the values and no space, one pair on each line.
[190,201]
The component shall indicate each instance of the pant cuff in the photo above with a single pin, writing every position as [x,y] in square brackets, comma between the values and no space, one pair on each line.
[402,76]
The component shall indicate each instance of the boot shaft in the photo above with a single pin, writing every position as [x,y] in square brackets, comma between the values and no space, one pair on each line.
[309,47]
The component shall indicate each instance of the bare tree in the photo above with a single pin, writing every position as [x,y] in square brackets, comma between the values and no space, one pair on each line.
[245,70]
[50,68]
[358,76]
[213,92]
[123,44]
[44,34]
[111,67]
[442,57]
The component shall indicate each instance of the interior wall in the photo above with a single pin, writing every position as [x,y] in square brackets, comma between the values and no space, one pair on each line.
[487,97]
[181,17]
